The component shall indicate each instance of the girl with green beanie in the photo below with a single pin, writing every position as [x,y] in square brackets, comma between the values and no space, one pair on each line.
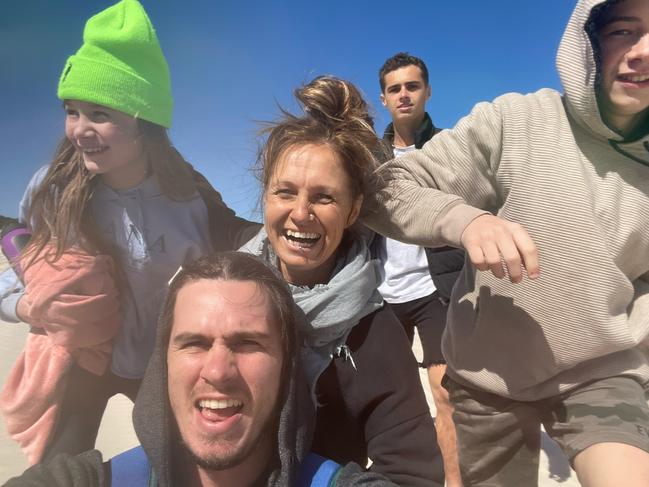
[116,186]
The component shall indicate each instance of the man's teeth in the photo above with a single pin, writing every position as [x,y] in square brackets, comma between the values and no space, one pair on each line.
[310,236]
[219,403]
[637,78]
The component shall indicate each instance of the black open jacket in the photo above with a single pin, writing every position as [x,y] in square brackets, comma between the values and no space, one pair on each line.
[444,263]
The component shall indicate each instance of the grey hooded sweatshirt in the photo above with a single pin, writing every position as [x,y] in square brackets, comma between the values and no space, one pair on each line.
[155,428]
[545,160]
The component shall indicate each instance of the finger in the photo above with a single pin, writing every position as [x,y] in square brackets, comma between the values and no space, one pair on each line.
[492,257]
[528,251]
[511,257]
[476,256]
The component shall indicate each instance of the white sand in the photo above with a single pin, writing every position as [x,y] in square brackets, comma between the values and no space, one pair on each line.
[116,433]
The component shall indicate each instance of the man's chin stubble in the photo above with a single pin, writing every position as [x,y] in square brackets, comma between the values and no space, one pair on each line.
[230,458]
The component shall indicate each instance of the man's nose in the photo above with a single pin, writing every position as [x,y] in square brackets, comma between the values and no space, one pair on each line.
[220,365]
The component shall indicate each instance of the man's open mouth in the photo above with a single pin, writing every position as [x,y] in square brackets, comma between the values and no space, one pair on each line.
[218,409]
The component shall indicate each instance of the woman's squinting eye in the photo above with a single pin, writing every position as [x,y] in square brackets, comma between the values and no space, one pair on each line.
[324,198]
[283,192]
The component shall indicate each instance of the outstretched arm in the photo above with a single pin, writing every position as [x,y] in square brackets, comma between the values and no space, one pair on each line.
[448,192]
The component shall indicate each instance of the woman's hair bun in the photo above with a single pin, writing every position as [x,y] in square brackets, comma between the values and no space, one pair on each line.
[335,114]
[334,101]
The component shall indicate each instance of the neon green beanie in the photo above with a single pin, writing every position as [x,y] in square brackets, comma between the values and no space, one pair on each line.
[120,65]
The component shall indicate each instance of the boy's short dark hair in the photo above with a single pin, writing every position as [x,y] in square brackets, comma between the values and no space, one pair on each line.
[401,60]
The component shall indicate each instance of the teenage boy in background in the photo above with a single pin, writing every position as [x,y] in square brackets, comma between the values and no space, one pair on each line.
[417,282]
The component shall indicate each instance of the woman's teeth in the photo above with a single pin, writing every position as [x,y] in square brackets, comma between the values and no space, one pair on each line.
[302,236]
[303,239]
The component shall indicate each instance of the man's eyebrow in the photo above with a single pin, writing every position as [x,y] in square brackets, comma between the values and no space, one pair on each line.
[190,337]
[619,18]
[187,337]
[248,335]
[408,82]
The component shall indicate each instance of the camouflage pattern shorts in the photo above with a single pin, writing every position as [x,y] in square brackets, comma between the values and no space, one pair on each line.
[499,439]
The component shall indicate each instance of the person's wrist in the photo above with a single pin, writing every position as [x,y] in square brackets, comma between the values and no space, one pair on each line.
[22,309]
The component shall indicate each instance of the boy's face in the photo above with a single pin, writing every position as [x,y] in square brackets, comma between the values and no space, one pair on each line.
[405,94]
[624,44]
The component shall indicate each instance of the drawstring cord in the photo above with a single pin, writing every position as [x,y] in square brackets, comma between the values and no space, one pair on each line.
[344,352]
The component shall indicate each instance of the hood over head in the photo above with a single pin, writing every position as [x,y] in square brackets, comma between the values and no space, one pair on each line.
[155,426]
[577,64]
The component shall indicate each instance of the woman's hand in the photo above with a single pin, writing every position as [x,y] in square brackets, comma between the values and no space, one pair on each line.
[501,246]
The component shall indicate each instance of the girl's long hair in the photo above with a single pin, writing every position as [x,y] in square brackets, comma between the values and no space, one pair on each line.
[60,210]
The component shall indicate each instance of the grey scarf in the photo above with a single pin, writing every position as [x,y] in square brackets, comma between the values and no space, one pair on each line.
[328,312]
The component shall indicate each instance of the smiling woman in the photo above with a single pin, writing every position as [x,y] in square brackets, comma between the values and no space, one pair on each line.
[308,207]
[315,171]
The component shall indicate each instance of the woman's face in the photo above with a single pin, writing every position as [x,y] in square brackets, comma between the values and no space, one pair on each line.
[308,204]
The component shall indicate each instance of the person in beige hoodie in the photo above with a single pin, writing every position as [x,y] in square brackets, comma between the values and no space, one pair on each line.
[551,192]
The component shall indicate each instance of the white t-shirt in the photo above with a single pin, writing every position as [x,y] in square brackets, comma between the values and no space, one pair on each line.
[405,267]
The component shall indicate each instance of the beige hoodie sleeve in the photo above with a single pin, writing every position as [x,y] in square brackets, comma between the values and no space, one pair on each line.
[429,196]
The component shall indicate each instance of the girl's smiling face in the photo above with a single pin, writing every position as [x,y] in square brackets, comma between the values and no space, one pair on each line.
[308,205]
[109,141]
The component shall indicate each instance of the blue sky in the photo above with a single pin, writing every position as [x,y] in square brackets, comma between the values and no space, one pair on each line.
[233,62]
